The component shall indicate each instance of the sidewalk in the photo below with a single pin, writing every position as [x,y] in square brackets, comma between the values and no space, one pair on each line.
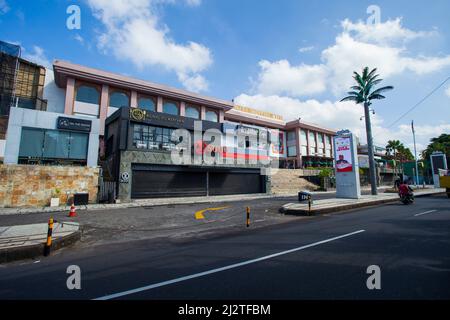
[27,241]
[336,204]
[163,201]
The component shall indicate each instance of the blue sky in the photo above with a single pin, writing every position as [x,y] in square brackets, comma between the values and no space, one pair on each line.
[294,58]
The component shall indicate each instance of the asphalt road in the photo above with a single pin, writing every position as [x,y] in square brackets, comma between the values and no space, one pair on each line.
[321,258]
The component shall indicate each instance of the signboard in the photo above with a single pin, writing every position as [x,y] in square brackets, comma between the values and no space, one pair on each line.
[343,154]
[264,114]
[363,161]
[438,162]
[72,124]
[347,166]
[171,121]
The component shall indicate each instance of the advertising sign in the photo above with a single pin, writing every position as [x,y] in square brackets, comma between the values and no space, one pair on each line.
[343,154]
[73,124]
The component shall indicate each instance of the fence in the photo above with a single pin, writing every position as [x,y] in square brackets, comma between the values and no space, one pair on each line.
[107,191]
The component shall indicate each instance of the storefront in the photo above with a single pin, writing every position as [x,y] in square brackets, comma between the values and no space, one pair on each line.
[140,146]
[46,138]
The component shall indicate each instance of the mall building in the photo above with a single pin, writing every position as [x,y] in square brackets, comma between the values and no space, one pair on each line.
[133,121]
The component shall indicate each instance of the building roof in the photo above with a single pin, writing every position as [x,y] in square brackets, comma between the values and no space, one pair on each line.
[63,70]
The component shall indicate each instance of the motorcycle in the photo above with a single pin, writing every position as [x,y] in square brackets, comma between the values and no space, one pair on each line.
[406,194]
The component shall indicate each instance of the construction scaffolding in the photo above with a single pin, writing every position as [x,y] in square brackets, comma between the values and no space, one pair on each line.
[9,65]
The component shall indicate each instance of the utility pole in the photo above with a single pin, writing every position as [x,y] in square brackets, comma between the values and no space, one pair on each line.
[415,152]
[372,168]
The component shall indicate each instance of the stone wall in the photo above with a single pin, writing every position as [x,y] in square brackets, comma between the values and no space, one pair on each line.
[32,185]
[286,181]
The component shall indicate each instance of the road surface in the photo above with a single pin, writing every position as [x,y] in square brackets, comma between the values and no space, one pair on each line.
[321,258]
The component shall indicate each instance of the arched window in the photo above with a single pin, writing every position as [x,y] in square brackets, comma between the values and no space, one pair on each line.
[88,94]
[118,99]
[170,108]
[146,103]
[192,112]
[211,116]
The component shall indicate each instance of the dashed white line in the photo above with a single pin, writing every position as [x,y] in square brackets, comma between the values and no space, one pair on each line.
[232,266]
[426,212]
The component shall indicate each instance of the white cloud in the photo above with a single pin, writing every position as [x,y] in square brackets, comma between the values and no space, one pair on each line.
[388,32]
[38,56]
[193,3]
[4,8]
[79,38]
[280,77]
[305,49]
[358,45]
[195,83]
[447,91]
[132,32]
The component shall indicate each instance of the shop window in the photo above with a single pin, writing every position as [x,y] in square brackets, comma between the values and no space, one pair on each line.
[88,94]
[211,116]
[171,108]
[49,145]
[147,104]
[118,99]
[192,112]
[153,138]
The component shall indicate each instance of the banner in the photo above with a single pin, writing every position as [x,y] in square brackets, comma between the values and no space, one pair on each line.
[343,154]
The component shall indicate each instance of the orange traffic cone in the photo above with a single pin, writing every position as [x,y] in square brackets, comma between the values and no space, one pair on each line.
[73,212]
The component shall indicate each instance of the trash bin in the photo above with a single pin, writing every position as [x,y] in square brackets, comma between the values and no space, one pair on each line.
[81,199]
[304,196]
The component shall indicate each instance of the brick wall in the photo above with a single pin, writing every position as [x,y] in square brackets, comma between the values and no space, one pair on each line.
[32,185]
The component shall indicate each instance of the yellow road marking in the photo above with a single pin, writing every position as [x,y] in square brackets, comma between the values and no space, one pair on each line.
[199,214]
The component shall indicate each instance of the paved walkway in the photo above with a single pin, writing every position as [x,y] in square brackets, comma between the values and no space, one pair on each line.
[161,202]
[31,234]
[337,204]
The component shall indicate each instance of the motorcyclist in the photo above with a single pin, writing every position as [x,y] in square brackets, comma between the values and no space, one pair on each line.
[404,190]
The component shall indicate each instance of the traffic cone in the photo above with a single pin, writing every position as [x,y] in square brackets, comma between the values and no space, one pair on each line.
[73,212]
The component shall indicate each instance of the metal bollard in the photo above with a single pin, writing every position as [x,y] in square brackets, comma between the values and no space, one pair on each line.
[248,217]
[309,203]
[48,244]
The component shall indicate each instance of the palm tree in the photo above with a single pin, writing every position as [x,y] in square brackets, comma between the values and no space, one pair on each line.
[363,93]
[392,147]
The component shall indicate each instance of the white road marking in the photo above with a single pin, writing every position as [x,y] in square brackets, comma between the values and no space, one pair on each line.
[426,212]
[232,266]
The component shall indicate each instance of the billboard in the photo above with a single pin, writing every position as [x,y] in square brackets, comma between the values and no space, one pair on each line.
[343,154]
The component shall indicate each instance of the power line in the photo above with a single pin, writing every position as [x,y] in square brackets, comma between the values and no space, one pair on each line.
[418,103]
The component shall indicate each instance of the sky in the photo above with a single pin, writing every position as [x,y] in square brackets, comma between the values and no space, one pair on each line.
[291,57]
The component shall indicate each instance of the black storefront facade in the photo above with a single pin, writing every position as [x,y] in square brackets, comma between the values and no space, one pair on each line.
[138,158]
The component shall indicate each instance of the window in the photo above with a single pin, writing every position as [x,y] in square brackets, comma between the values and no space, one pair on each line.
[53,144]
[170,108]
[312,144]
[153,138]
[291,136]
[292,151]
[118,99]
[88,94]
[211,116]
[192,112]
[146,104]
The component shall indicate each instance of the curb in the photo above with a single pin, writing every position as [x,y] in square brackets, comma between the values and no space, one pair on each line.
[346,206]
[155,203]
[37,250]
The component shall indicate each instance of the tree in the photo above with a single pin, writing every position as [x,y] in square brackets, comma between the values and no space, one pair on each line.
[441,143]
[364,93]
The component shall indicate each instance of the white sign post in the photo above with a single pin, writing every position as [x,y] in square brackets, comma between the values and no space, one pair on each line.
[347,168]
[438,161]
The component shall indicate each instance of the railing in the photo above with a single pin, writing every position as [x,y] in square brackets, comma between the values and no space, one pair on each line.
[6,101]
